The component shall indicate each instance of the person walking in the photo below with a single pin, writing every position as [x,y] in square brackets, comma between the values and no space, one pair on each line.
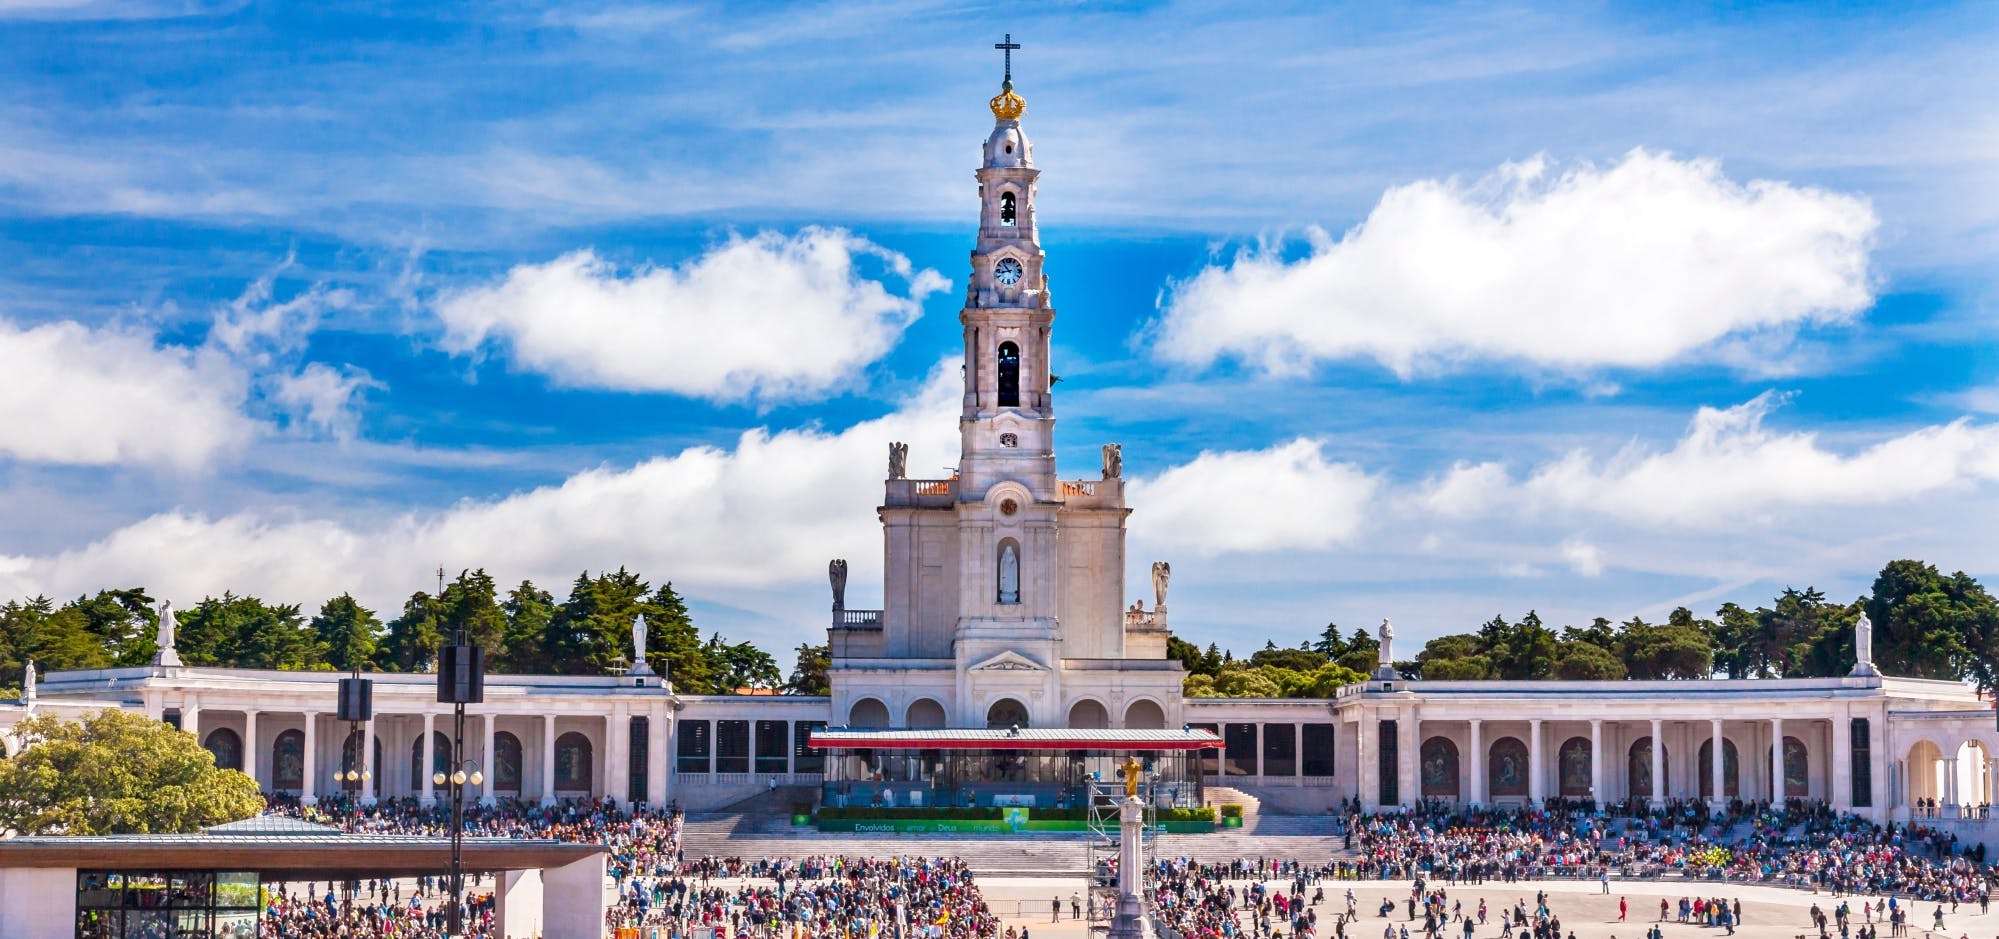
[1606,881]
[1623,908]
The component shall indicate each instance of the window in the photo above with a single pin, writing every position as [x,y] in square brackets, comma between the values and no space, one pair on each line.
[732,746]
[806,758]
[288,760]
[226,747]
[573,763]
[1009,375]
[1863,764]
[694,747]
[1006,713]
[1211,759]
[1280,750]
[1239,750]
[1317,749]
[641,737]
[1006,207]
[773,745]
[1389,766]
[114,904]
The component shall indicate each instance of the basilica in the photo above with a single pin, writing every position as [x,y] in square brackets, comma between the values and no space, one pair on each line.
[1007,625]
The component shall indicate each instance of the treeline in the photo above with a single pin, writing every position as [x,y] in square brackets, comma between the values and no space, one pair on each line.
[1927,624]
[524,631]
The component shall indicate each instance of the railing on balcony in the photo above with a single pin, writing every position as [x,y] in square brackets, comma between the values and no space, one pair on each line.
[1140,618]
[857,619]
[932,487]
[1079,487]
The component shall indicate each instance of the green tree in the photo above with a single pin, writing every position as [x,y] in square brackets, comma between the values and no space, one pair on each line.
[592,630]
[1928,625]
[471,603]
[1456,657]
[346,633]
[1735,651]
[1330,644]
[1586,661]
[740,666]
[123,622]
[117,773]
[1300,660]
[673,644]
[245,632]
[1680,649]
[1184,652]
[529,610]
[53,639]
[412,639]
[808,676]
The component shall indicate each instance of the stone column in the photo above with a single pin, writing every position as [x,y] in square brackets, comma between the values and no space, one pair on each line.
[190,716]
[250,748]
[368,767]
[427,761]
[1658,794]
[1536,790]
[548,759]
[1477,789]
[1841,777]
[657,754]
[1596,791]
[1716,778]
[1409,776]
[487,761]
[309,781]
[1950,787]
[753,747]
[1368,776]
[618,754]
[1776,761]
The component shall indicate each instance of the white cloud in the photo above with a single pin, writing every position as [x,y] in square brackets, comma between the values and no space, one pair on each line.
[78,395]
[1727,469]
[770,511]
[323,397]
[1288,496]
[1582,557]
[764,317]
[1647,261]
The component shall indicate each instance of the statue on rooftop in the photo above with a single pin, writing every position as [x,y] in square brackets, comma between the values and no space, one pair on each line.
[1162,576]
[1863,647]
[1113,460]
[836,573]
[898,460]
[1132,773]
[165,637]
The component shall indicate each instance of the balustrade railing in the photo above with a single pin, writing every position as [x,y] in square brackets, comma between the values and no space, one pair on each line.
[857,619]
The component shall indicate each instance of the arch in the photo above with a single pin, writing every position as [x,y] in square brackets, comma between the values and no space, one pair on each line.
[1008,575]
[1638,767]
[1797,769]
[574,765]
[1574,778]
[1974,767]
[288,760]
[1090,714]
[869,713]
[440,758]
[1440,768]
[1145,714]
[1925,773]
[350,758]
[1009,375]
[1007,209]
[226,747]
[1506,768]
[506,762]
[1006,712]
[1731,769]
[926,714]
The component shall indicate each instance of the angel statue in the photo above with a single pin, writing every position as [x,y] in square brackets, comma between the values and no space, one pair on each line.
[836,574]
[1162,574]
[1113,460]
[898,460]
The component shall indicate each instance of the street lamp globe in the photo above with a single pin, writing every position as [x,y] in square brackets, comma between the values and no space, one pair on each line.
[437,778]
[478,778]
[458,778]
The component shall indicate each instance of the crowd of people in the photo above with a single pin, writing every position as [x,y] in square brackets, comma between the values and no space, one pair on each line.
[1435,846]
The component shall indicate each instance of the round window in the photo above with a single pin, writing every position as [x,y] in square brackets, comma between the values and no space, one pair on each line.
[1008,507]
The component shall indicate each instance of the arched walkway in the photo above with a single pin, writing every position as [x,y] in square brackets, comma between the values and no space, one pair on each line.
[868,713]
[226,747]
[1089,714]
[1440,768]
[1638,768]
[1731,770]
[575,765]
[506,763]
[440,758]
[926,714]
[288,760]
[1506,768]
[1006,712]
[1925,773]
[1145,714]
[1573,764]
[1974,773]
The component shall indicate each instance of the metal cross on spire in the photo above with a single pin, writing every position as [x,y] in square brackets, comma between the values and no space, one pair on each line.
[1006,47]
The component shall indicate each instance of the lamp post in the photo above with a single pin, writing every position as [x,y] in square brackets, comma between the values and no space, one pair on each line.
[356,706]
[461,680]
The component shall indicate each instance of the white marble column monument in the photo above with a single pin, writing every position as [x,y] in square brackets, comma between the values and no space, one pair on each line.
[1131,921]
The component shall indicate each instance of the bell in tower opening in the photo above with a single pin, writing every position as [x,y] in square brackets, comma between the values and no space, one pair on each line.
[1009,375]
[1006,209]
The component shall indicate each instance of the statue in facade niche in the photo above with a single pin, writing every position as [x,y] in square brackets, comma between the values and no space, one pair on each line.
[898,460]
[1162,575]
[836,573]
[1009,574]
[1113,460]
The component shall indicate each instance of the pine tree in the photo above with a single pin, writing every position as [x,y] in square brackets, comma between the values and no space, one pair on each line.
[347,633]
[529,610]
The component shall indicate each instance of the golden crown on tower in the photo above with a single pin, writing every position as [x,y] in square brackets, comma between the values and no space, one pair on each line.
[1006,105]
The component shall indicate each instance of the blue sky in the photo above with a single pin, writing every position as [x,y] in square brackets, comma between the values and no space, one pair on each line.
[1427,314]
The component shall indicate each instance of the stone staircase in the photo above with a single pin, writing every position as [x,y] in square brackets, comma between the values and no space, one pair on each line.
[1048,854]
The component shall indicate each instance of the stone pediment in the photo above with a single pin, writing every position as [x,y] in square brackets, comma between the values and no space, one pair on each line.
[1008,662]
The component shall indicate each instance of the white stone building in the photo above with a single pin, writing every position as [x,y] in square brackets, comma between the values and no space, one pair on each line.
[1005,604]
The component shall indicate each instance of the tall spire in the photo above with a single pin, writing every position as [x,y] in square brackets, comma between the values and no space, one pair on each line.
[1006,105]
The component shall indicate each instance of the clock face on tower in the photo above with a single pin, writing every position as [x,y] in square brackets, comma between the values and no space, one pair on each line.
[1007,272]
